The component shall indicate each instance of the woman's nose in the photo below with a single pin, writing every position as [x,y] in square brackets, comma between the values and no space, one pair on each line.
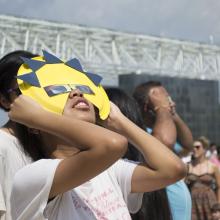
[75,92]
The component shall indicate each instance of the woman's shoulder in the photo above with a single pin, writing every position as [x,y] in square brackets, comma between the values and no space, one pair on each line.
[40,168]
[34,176]
[41,164]
[212,166]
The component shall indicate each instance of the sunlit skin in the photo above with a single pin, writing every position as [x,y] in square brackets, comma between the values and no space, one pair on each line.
[78,107]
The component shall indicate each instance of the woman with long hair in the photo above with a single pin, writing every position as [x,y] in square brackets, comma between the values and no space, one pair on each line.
[12,155]
[77,173]
[203,180]
[155,204]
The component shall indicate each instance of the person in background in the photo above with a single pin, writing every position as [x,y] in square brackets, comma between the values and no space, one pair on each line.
[212,151]
[216,159]
[12,155]
[155,205]
[203,180]
[159,113]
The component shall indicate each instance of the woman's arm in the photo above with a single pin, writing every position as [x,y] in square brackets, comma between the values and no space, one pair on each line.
[164,127]
[184,135]
[217,177]
[165,166]
[99,147]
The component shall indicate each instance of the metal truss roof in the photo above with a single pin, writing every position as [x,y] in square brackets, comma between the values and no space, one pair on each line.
[111,53]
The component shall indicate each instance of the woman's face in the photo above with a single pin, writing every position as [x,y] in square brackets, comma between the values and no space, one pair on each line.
[198,149]
[78,107]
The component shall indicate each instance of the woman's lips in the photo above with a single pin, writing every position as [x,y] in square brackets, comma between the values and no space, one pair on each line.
[81,104]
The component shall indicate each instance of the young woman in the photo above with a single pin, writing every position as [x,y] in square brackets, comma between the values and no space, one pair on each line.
[81,176]
[203,179]
[12,155]
[155,204]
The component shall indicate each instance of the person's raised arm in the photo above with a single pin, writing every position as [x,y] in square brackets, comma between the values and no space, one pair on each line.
[99,147]
[164,128]
[184,135]
[162,167]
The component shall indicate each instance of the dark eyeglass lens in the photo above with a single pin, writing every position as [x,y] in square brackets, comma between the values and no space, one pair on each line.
[55,90]
[84,89]
[60,89]
[197,147]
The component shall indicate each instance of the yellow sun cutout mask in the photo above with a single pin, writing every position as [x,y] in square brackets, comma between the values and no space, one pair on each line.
[48,80]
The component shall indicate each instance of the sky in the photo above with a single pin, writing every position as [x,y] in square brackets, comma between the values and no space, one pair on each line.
[193,20]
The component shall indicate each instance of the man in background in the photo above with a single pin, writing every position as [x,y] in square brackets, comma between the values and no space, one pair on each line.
[161,119]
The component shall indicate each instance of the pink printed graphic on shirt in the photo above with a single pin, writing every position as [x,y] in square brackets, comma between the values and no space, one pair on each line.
[106,205]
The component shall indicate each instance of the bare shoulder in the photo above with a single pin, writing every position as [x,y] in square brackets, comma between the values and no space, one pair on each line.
[213,167]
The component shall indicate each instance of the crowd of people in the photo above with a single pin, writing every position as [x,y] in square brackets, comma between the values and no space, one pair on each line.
[140,163]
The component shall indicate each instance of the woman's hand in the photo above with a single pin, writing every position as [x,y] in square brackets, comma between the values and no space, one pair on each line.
[114,118]
[25,110]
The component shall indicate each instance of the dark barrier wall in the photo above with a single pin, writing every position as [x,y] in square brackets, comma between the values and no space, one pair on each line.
[197,101]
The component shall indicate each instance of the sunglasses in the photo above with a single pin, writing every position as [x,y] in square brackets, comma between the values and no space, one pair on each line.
[54,90]
[197,147]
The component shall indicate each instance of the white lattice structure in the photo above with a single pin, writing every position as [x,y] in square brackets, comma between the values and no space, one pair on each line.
[110,53]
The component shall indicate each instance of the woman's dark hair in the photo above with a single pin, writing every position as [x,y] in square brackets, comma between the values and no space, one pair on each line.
[155,204]
[9,66]
[129,108]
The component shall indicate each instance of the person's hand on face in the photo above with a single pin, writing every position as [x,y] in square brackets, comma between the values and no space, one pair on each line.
[158,97]
[25,110]
[172,106]
[113,120]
